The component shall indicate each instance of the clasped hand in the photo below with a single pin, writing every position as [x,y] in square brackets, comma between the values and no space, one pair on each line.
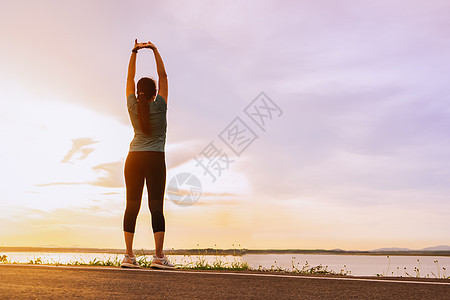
[138,46]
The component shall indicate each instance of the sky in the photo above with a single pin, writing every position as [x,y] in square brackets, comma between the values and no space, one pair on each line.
[353,154]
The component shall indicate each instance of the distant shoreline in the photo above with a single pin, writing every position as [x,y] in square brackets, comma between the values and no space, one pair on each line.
[237,252]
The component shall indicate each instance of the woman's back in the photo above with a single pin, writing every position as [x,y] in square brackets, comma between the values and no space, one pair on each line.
[158,124]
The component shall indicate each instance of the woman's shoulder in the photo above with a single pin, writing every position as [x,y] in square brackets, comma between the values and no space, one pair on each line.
[132,103]
[160,103]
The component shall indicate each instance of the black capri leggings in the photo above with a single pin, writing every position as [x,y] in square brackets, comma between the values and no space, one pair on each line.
[151,167]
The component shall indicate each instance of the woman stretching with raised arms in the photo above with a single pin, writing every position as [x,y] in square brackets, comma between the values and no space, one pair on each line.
[146,159]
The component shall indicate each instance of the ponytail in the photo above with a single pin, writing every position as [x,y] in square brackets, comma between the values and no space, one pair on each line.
[146,88]
[144,114]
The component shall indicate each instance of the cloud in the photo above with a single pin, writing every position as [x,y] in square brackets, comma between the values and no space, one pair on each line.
[79,147]
[59,183]
[363,87]
[111,174]
[182,151]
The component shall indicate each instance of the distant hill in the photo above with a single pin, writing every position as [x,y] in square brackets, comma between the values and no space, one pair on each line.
[435,248]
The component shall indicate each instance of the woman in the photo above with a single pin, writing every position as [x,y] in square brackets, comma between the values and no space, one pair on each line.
[146,158]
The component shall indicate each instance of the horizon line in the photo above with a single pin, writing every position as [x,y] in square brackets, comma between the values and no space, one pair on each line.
[226,250]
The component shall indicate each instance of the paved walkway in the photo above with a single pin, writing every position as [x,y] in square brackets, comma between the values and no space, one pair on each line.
[43,282]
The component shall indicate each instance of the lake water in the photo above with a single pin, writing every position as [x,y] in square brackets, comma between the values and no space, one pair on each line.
[357,265]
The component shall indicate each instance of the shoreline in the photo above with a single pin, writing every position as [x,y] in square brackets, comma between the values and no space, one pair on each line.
[234,252]
[243,272]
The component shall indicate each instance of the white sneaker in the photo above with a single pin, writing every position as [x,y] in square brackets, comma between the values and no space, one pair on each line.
[161,263]
[129,262]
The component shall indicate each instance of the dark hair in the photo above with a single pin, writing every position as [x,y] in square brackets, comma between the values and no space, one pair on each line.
[146,89]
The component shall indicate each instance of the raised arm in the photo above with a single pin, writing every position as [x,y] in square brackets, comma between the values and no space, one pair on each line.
[131,85]
[131,73]
[163,87]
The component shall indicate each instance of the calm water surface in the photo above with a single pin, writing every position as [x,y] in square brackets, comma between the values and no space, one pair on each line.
[358,265]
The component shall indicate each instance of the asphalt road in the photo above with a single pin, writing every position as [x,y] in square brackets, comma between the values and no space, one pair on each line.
[56,282]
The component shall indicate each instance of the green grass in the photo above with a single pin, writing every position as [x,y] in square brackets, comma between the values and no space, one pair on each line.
[198,263]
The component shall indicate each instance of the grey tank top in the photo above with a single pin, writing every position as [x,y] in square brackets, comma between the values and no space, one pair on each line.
[158,122]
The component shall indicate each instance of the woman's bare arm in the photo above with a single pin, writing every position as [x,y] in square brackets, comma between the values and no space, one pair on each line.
[131,73]
[163,87]
[132,68]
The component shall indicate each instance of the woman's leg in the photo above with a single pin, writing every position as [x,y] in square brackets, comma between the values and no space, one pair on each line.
[129,242]
[134,181]
[159,242]
[156,184]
